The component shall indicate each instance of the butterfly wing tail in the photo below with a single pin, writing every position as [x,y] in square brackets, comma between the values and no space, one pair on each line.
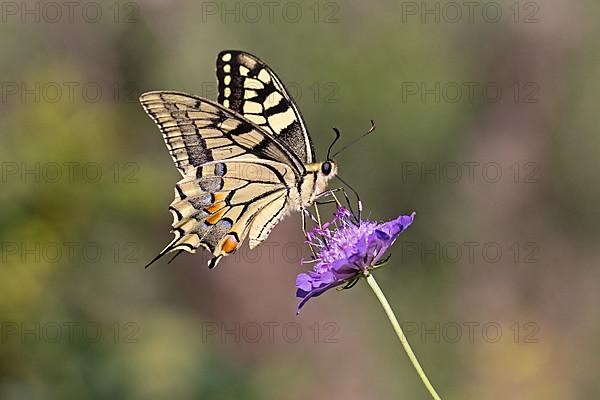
[166,250]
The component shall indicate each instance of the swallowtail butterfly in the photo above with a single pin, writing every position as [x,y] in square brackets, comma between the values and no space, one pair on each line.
[246,161]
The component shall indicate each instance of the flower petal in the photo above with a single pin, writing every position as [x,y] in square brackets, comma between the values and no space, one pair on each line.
[314,293]
[303,281]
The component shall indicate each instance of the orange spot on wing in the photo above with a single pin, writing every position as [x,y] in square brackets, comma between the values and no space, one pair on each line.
[230,244]
[219,196]
[213,219]
[215,207]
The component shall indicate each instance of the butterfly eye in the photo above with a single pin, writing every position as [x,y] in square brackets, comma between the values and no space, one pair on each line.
[326,168]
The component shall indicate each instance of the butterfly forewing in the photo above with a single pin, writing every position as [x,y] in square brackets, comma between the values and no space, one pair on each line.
[197,131]
[249,87]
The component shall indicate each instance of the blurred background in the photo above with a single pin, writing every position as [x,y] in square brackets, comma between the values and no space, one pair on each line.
[485,128]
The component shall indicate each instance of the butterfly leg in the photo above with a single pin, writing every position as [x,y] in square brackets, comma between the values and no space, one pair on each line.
[350,206]
[325,202]
[331,193]
[304,222]
[318,215]
[336,199]
[357,216]
[306,213]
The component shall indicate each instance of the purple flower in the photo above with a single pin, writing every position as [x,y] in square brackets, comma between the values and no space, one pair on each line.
[345,252]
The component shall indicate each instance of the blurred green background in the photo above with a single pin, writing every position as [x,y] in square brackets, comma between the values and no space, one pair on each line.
[496,281]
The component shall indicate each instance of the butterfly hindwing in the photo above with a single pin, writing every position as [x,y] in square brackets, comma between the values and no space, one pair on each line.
[249,87]
[197,131]
[225,202]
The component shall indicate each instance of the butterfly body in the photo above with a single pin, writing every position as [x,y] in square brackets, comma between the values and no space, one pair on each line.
[246,161]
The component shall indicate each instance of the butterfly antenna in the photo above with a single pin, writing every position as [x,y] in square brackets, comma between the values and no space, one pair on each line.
[357,198]
[371,129]
[337,136]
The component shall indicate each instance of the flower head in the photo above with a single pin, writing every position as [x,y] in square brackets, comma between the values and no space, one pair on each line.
[346,249]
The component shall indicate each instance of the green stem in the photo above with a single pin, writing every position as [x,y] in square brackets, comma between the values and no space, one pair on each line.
[388,310]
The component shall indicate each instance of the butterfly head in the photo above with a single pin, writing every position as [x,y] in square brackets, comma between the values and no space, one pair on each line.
[316,180]
[327,170]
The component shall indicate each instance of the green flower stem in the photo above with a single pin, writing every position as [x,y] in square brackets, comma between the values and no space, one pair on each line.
[388,310]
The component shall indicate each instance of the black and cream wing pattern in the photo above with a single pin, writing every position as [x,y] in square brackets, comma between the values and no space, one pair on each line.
[236,177]
[246,160]
[249,87]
